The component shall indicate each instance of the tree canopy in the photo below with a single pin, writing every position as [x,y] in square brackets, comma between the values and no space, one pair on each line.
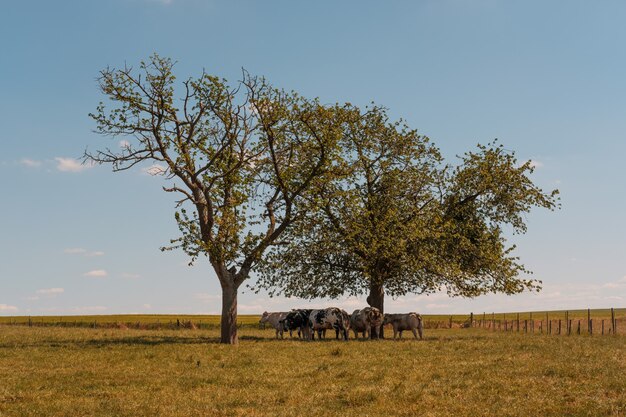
[396,219]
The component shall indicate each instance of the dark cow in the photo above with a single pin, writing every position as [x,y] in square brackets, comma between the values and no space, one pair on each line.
[329,318]
[407,321]
[366,321]
[297,319]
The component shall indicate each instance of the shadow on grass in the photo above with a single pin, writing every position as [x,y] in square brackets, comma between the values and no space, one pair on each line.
[125,341]
[154,340]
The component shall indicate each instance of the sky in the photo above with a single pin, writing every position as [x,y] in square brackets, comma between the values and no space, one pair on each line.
[545,78]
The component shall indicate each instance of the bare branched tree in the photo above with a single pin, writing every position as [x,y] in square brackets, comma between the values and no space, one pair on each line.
[240,159]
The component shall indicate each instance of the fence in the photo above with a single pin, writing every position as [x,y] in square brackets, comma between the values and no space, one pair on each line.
[564,324]
[158,325]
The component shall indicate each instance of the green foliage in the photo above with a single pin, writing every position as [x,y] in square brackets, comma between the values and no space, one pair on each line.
[395,216]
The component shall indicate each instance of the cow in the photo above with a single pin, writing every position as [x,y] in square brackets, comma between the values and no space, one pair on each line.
[408,321]
[329,318]
[366,321]
[275,319]
[297,319]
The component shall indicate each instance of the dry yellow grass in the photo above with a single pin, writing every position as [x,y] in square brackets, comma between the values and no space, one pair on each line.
[469,372]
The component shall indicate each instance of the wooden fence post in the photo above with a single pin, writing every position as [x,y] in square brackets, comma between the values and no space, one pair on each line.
[559,327]
[613,322]
[590,327]
[578,331]
[518,322]
[569,327]
[589,321]
[602,327]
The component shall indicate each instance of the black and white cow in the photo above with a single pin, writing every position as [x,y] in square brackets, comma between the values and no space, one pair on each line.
[297,320]
[329,318]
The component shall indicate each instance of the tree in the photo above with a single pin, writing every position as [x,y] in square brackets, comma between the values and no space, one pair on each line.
[243,158]
[396,220]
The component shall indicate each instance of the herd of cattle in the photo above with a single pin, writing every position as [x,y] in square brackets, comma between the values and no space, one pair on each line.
[367,321]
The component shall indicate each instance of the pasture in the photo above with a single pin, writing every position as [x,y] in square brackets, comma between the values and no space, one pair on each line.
[69,371]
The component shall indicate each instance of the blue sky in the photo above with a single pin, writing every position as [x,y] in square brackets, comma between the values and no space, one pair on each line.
[546,78]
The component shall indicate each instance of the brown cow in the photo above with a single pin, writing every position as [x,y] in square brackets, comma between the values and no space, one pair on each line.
[366,321]
[407,321]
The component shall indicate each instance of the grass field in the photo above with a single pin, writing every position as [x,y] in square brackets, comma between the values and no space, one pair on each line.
[53,371]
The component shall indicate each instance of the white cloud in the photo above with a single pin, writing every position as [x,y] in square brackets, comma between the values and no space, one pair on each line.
[51,291]
[155,170]
[81,251]
[206,297]
[32,298]
[124,144]
[147,306]
[96,273]
[87,309]
[71,165]
[31,163]
[437,306]
[73,251]
[6,307]
[249,308]
[128,275]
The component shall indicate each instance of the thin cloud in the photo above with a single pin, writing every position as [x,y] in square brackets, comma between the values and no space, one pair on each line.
[87,309]
[74,251]
[128,275]
[82,251]
[206,297]
[71,165]
[6,307]
[51,291]
[30,163]
[96,273]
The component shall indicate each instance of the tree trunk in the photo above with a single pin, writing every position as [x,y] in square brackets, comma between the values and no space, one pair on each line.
[229,315]
[377,299]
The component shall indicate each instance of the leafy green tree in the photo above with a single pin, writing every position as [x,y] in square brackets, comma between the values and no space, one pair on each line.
[394,219]
[241,159]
